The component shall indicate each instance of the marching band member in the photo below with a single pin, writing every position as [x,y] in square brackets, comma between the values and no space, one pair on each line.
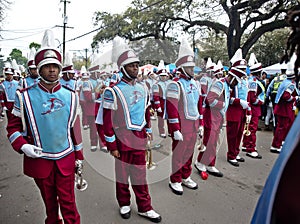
[45,127]
[33,77]
[217,102]
[159,97]
[284,108]
[237,112]
[182,106]
[256,97]
[68,74]
[8,91]
[87,97]
[126,122]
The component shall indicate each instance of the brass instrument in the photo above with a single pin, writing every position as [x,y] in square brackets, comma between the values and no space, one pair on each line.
[247,132]
[149,161]
[80,183]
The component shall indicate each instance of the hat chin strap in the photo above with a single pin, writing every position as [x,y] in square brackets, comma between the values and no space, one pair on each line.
[48,82]
[186,74]
[232,80]
[125,73]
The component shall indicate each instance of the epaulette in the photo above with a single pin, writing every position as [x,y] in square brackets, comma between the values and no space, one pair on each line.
[68,88]
[173,90]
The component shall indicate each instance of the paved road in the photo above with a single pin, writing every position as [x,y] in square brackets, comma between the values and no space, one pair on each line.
[230,199]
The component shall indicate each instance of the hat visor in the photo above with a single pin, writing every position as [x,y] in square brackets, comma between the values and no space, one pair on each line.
[49,61]
[129,61]
[187,64]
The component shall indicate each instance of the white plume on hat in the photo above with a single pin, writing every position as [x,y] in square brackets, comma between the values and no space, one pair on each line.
[68,59]
[161,68]
[48,40]
[237,59]
[185,55]
[121,53]
[83,72]
[209,65]
[290,73]
[32,53]
[218,68]
[16,68]
[255,66]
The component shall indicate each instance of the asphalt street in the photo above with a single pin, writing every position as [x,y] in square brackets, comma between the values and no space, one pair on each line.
[230,199]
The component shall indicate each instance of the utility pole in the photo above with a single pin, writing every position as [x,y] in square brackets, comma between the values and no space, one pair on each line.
[65,21]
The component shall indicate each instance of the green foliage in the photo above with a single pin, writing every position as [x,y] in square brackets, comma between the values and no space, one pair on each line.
[17,55]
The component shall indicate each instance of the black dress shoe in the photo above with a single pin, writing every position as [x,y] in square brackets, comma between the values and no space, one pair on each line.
[233,163]
[240,159]
[216,174]
[252,156]
[126,215]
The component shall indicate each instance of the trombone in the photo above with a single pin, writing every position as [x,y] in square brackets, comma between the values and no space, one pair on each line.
[149,160]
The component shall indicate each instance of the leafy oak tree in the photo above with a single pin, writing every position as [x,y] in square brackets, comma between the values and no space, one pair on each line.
[242,22]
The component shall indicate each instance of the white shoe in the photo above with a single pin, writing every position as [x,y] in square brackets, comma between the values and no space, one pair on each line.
[85,127]
[275,150]
[93,148]
[200,167]
[176,188]
[203,149]
[125,212]
[151,215]
[163,135]
[152,117]
[214,171]
[189,183]
[104,149]
[254,155]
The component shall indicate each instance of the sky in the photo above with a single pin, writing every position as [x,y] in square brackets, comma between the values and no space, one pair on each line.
[26,21]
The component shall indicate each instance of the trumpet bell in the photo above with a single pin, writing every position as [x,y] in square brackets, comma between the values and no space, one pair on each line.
[81,185]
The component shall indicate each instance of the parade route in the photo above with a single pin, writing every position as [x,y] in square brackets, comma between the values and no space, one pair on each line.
[230,199]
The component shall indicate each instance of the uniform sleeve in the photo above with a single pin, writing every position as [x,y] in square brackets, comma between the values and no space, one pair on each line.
[77,139]
[172,101]
[214,98]
[109,108]
[155,91]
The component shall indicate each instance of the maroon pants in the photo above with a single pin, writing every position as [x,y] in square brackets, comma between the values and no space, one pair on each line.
[161,123]
[132,164]
[182,155]
[283,126]
[93,130]
[210,139]
[234,130]
[250,141]
[100,132]
[58,192]
[84,118]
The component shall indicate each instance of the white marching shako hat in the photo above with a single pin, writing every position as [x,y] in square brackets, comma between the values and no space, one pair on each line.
[16,68]
[8,69]
[290,73]
[185,55]
[47,54]
[255,66]
[161,69]
[209,65]
[31,63]
[121,53]
[238,61]
[84,73]
[68,64]
[218,68]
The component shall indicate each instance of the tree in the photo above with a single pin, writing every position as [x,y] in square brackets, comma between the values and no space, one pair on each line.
[242,22]
[17,55]
[4,5]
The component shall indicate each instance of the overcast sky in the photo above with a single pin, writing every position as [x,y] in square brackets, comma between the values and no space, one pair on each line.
[26,21]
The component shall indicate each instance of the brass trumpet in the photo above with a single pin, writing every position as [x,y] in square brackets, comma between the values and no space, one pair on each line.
[80,183]
[149,161]
[247,132]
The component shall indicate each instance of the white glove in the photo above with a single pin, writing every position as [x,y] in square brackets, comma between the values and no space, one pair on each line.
[296,98]
[32,150]
[201,131]
[159,110]
[248,119]
[178,136]
[244,104]
[5,108]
